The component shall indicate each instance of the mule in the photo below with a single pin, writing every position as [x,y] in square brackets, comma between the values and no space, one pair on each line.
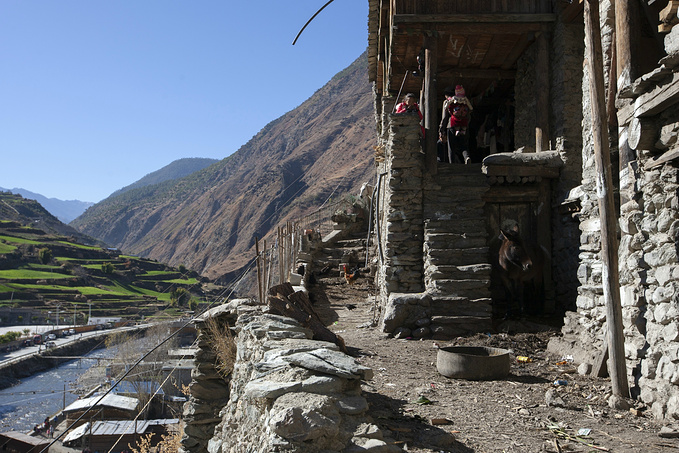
[521,266]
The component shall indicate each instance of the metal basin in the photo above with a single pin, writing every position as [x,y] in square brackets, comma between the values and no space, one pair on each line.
[473,362]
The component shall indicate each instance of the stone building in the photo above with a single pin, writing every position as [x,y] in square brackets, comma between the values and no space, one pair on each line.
[522,66]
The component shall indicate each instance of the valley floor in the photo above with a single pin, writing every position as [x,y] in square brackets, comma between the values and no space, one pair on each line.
[423,411]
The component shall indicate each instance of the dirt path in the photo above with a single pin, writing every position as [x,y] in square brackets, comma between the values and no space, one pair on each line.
[427,412]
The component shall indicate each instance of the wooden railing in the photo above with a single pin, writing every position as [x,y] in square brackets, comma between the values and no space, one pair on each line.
[275,262]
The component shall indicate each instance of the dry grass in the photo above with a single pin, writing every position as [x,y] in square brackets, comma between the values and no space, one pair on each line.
[223,344]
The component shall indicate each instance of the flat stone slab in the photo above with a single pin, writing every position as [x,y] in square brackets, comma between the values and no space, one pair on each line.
[330,362]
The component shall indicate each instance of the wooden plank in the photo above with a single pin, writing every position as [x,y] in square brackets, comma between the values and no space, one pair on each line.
[663,158]
[521,170]
[625,114]
[473,18]
[661,98]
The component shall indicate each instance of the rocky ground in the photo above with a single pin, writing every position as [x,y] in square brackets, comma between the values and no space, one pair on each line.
[525,412]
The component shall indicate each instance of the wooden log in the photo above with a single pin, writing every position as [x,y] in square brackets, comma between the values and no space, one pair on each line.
[283,300]
[641,134]
[600,368]
[604,184]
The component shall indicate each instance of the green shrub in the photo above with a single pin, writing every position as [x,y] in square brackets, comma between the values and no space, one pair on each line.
[107,268]
[45,255]
[179,297]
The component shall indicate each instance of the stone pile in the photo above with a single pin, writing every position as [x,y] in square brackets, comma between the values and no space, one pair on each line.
[287,392]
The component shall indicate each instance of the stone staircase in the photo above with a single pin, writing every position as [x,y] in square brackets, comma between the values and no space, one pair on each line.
[456,257]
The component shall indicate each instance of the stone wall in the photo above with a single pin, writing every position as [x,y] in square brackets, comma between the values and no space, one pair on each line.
[400,203]
[648,250]
[287,392]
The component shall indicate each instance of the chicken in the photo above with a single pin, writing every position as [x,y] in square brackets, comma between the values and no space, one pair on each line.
[350,275]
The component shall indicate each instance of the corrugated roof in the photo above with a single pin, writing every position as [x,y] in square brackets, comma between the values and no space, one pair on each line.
[117,427]
[25,438]
[111,400]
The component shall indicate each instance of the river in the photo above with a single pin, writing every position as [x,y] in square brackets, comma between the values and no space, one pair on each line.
[28,404]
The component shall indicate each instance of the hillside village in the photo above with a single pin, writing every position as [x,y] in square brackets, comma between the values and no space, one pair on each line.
[366,320]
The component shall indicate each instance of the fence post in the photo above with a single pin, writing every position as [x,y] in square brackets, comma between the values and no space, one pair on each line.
[259,270]
[264,269]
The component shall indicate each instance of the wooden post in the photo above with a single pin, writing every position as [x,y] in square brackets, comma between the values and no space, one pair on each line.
[542,93]
[604,186]
[259,271]
[264,269]
[430,110]
[626,55]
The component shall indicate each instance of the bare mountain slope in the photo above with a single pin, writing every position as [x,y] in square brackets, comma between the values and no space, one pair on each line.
[208,220]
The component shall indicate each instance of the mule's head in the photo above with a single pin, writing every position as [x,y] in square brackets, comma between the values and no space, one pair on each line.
[513,250]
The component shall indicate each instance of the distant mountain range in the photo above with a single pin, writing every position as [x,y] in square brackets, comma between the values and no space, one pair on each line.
[68,210]
[64,210]
[209,219]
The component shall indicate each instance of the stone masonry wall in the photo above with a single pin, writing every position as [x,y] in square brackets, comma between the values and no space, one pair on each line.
[289,393]
[401,208]
[566,97]
[648,250]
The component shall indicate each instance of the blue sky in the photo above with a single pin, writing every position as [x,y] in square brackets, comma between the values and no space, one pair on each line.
[96,94]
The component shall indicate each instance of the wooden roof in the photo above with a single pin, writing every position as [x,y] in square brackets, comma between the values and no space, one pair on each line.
[478,41]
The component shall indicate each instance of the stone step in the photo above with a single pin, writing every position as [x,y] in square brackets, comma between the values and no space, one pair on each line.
[465,287]
[461,306]
[351,243]
[344,251]
[454,241]
[449,223]
[461,257]
[477,271]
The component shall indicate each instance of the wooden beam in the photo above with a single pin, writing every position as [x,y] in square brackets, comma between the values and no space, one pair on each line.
[659,99]
[604,185]
[430,108]
[473,73]
[463,28]
[499,18]
[665,157]
[521,170]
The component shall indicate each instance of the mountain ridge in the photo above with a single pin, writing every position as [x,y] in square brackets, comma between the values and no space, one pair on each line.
[64,210]
[209,219]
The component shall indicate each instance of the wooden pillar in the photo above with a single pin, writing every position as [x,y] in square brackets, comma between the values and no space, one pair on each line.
[430,111]
[626,55]
[542,93]
[604,188]
[626,41]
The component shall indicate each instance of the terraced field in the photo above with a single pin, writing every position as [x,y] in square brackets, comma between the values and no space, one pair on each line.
[43,276]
